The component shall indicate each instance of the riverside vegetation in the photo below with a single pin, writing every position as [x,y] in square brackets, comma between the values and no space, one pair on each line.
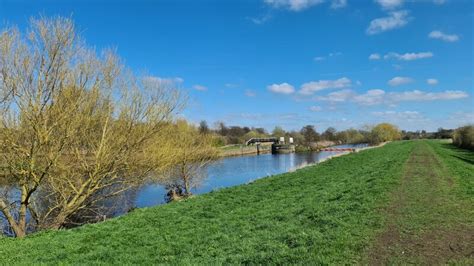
[406,202]
[79,129]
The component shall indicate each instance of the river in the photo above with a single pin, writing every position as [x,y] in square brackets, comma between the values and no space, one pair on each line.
[233,171]
[225,172]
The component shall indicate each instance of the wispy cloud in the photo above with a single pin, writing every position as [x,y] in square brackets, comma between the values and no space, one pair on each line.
[408,56]
[200,88]
[293,5]
[404,115]
[371,97]
[335,4]
[337,96]
[283,88]
[417,95]
[389,4]
[165,82]
[375,56]
[315,108]
[261,19]
[250,93]
[377,96]
[314,86]
[432,81]
[436,34]
[395,20]
[397,81]
[231,85]
[322,58]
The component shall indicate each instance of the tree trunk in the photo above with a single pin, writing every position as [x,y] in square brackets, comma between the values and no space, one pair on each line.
[18,230]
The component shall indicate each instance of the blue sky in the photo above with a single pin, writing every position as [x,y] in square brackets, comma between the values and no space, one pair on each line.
[289,63]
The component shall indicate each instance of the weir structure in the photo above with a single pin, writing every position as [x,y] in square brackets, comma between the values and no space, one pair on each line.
[278,144]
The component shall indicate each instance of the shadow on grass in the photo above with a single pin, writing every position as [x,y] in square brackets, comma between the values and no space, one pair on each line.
[460,153]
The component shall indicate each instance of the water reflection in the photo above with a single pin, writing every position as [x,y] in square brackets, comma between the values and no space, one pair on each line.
[234,171]
[226,172]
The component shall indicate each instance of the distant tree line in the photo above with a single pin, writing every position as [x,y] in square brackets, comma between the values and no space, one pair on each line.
[307,136]
[441,133]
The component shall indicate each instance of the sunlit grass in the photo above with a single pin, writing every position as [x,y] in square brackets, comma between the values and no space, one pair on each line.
[328,213]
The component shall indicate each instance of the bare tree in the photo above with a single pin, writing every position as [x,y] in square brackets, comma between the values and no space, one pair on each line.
[76,128]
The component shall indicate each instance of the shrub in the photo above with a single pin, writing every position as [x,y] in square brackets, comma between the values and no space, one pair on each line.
[464,137]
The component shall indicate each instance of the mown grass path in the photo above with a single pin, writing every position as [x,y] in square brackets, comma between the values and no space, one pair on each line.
[430,219]
[375,206]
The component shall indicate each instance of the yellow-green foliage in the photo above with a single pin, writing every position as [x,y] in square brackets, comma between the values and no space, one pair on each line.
[464,137]
[384,132]
[326,214]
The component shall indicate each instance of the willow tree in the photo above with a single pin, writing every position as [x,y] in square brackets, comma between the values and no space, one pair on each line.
[76,127]
[192,152]
[384,132]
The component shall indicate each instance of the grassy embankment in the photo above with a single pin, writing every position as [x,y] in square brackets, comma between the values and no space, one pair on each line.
[345,210]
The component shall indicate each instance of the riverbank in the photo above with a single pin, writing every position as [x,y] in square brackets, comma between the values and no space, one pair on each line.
[336,212]
[240,149]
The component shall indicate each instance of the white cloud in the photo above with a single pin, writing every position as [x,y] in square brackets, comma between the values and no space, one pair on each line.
[404,115]
[408,56]
[165,82]
[314,86]
[283,88]
[321,58]
[389,4]
[432,81]
[315,108]
[377,96]
[397,81]
[293,5]
[396,19]
[338,4]
[337,96]
[374,56]
[371,97]
[436,34]
[417,95]
[200,88]
[250,93]
[261,19]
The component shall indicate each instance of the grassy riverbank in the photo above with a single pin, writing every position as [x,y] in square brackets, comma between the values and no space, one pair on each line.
[340,211]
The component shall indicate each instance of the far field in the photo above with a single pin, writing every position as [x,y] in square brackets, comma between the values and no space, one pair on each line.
[406,202]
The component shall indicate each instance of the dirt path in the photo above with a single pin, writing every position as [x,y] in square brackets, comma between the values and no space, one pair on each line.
[425,222]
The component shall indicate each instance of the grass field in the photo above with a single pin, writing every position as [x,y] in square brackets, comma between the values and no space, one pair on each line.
[406,202]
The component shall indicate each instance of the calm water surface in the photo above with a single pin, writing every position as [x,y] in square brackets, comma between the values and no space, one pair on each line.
[232,171]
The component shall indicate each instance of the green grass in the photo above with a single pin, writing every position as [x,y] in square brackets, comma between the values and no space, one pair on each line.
[328,213]
[430,218]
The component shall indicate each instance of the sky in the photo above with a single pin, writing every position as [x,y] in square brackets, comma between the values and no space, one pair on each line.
[290,63]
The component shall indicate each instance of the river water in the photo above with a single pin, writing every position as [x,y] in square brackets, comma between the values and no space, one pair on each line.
[232,171]
[225,172]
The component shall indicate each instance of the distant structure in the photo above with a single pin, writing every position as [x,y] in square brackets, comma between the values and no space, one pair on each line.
[278,144]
